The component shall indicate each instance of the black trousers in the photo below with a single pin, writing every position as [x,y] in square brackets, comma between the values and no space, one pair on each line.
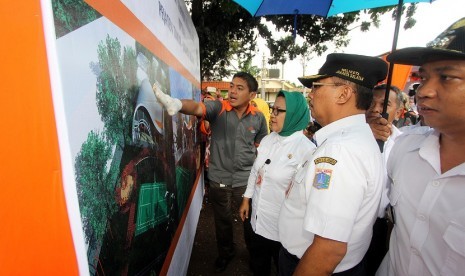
[263,252]
[225,202]
[378,246]
[289,262]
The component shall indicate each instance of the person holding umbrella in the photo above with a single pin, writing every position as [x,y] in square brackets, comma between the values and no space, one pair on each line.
[378,246]
[428,237]
[326,221]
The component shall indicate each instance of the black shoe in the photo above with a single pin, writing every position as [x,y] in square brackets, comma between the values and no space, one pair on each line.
[221,263]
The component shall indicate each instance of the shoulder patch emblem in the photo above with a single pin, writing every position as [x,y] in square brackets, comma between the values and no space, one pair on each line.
[328,160]
[322,179]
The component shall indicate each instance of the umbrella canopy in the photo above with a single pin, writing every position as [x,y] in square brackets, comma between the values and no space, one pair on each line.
[328,8]
[323,8]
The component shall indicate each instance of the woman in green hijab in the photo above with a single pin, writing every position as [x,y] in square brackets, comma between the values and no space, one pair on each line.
[279,154]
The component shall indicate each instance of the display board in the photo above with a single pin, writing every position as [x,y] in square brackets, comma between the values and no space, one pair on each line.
[126,176]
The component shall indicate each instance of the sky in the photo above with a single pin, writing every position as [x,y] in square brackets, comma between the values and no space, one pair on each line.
[431,19]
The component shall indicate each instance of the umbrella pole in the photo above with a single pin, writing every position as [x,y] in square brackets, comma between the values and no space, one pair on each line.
[391,68]
[294,32]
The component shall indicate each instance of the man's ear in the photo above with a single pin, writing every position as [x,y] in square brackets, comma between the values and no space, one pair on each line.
[398,113]
[344,94]
[252,95]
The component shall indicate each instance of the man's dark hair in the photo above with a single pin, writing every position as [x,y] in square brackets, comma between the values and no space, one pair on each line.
[399,98]
[363,95]
[383,87]
[313,127]
[251,81]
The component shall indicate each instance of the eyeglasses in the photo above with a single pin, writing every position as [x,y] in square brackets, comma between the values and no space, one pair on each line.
[316,85]
[275,111]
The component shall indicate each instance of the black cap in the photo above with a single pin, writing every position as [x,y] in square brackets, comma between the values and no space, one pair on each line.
[449,45]
[363,70]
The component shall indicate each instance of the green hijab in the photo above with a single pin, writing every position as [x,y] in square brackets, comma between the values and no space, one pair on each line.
[297,114]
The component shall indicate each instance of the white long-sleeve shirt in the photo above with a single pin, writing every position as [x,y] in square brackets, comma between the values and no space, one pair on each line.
[269,179]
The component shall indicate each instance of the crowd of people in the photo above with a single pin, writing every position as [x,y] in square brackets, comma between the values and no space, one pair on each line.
[319,197]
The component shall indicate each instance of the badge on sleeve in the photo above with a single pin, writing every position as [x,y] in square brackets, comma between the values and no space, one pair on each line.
[322,178]
[328,160]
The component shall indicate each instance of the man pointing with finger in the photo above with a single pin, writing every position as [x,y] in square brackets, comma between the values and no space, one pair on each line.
[236,130]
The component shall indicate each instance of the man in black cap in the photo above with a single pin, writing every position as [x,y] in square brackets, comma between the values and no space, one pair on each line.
[325,223]
[429,232]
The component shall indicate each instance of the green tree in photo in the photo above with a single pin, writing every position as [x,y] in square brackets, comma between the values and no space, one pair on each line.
[94,187]
[156,69]
[71,14]
[116,90]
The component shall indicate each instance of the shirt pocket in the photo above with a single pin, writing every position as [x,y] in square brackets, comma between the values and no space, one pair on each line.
[248,131]
[299,176]
[394,193]
[299,182]
[394,196]
[245,148]
[454,237]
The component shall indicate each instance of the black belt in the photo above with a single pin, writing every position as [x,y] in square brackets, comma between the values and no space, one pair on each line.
[219,183]
[293,257]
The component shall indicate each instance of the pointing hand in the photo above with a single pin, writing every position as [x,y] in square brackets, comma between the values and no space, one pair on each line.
[172,105]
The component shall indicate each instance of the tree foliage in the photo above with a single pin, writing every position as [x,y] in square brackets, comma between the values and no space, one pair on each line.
[228,33]
[71,14]
[116,89]
[94,186]
[221,25]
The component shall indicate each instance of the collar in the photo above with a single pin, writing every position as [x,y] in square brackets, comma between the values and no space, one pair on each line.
[339,125]
[250,108]
[429,139]
[287,139]
[415,129]
[427,145]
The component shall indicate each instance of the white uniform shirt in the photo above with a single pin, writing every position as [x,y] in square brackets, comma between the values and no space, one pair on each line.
[429,233]
[337,193]
[268,182]
[415,129]
[386,151]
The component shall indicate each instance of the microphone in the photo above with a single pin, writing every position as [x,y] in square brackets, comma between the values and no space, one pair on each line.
[268,161]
